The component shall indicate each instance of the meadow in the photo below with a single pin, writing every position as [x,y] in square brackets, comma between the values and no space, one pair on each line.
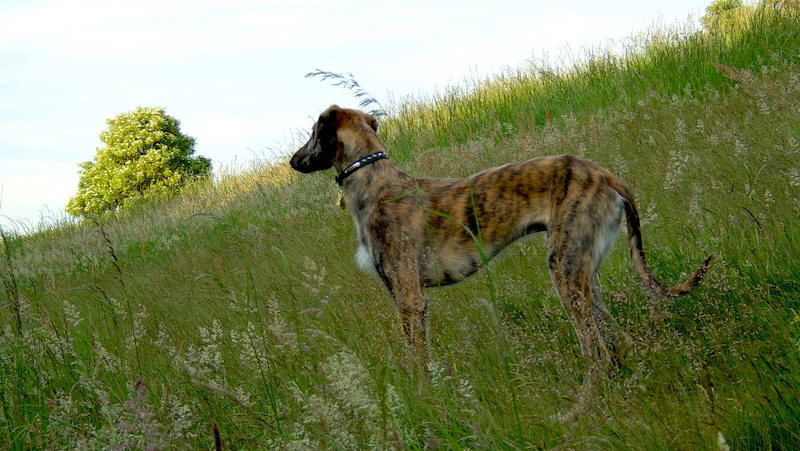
[233,312]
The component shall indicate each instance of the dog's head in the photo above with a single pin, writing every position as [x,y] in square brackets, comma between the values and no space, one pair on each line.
[337,133]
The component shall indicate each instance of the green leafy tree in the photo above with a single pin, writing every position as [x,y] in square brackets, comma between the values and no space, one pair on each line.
[145,154]
[722,13]
[786,5]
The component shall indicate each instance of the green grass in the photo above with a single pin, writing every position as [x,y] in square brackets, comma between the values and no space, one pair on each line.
[238,305]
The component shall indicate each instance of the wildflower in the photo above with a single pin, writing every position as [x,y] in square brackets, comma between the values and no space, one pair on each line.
[137,332]
[769,199]
[740,148]
[350,382]
[464,388]
[792,145]
[694,202]
[119,308]
[680,131]
[794,177]
[700,126]
[351,405]
[106,359]
[582,149]
[241,305]
[251,347]
[71,313]
[279,327]
[202,362]
[507,128]
[675,167]
[763,106]
[182,420]
[315,281]
[620,165]
[210,353]
[139,428]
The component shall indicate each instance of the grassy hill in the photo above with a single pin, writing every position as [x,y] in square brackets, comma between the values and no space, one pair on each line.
[237,305]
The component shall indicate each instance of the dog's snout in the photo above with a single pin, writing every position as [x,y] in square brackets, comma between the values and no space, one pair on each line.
[300,160]
[310,158]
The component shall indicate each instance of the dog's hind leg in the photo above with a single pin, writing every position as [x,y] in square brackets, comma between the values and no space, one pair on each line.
[615,338]
[572,267]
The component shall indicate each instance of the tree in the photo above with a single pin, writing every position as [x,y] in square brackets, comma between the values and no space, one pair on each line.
[145,154]
[721,13]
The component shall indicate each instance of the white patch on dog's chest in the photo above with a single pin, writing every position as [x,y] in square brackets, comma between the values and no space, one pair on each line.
[364,259]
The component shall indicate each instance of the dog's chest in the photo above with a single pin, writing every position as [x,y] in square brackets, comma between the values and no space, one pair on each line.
[364,259]
[364,256]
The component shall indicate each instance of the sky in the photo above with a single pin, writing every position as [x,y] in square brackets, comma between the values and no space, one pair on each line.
[232,72]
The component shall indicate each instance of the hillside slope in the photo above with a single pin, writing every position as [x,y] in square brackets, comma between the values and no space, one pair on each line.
[237,305]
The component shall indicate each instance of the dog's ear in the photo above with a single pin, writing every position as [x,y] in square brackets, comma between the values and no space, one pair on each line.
[329,116]
[327,124]
[372,122]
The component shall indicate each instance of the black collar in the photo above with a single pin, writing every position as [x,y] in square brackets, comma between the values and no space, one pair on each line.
[358,165]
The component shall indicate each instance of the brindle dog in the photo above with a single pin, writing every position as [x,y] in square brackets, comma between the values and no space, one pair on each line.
[419,233]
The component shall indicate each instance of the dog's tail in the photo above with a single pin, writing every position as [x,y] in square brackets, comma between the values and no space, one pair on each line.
[646,277]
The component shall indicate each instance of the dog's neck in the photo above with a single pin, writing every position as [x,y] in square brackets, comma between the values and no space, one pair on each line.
[366,161]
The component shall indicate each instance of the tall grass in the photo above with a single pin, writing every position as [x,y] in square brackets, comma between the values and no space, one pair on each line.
[665,60]
[236,307]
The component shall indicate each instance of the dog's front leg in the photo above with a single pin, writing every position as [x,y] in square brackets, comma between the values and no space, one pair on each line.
[412,307]
[403,281]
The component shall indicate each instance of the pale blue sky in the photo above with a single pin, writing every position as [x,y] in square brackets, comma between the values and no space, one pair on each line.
[232,72]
